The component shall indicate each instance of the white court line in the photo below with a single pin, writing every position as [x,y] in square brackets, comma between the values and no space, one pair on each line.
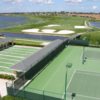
[71,79]
[4,67]
[93,59]
[27,49]
[21,49]
[9,59]
[12,56]
[14,50]
[7,62]
[30,47]
[51,79]
[84,96]
[13,53]
[81,57]
[88,72]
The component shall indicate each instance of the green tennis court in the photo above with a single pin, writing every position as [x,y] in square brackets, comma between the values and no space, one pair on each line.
[51,80]
[85,85]
[13,55]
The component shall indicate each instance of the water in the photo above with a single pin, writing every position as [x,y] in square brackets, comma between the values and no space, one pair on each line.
[29,36]
[95,24]
[10,21]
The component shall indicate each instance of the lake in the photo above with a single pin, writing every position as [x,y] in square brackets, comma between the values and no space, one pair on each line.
[11,21]
[95,24]
[30,36]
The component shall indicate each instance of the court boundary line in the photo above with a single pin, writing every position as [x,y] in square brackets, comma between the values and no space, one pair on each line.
[9,59]
[71,79]
[87,72]
[6,63]
[82,54]
[13,49]
[27,47]
[90,58]
[57,70]
[80,95]
[22,48]
[50,80]
[5,53]
[4,67]
[12,56]
[69,82]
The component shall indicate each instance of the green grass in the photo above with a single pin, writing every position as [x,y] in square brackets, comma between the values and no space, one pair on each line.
[54,84]
[28,42]
[66,22]
[12,98]
[93,37]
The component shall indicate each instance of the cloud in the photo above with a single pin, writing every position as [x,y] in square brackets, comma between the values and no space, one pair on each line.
[42,1]
[13,1]
[94,7]
[73,1]
[33,1]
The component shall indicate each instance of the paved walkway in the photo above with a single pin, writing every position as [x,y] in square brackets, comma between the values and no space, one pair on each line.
[3,90]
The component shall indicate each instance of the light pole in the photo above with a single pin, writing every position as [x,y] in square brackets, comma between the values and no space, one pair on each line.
[69,65]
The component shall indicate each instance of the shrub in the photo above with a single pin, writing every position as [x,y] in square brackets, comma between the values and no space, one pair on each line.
[12,98]
[6,76]
[28,43]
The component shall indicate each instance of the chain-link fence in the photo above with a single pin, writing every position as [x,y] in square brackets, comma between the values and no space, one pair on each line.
[34,94]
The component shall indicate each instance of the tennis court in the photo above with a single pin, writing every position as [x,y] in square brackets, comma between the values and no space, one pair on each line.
[85,85]
[13,55]
[51,81]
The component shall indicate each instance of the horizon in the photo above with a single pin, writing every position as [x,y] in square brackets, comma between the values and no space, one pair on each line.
[19,6]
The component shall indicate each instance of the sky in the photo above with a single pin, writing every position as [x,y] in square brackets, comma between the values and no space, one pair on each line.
[49,5]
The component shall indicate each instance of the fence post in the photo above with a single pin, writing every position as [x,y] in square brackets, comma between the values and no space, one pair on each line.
[43,95]
[0,97]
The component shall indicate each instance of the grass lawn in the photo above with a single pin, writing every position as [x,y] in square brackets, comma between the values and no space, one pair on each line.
[28,42]
[92,36]
[65,22]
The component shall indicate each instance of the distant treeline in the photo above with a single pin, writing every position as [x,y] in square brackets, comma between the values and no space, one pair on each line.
[81,14]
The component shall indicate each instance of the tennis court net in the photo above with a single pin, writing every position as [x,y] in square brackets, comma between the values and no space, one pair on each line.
[85,85]
[80,97]
[91,53]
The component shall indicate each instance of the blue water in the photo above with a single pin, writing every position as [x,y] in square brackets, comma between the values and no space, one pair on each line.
[29,36]
[10,21]
[95,24]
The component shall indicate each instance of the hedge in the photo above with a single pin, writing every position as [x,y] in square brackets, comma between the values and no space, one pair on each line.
[6,76]
[12,98]
[28,43]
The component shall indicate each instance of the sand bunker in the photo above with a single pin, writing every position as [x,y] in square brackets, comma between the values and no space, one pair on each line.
[48,31]
[80,27]
[31,30]
[65,32]
[52,25]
